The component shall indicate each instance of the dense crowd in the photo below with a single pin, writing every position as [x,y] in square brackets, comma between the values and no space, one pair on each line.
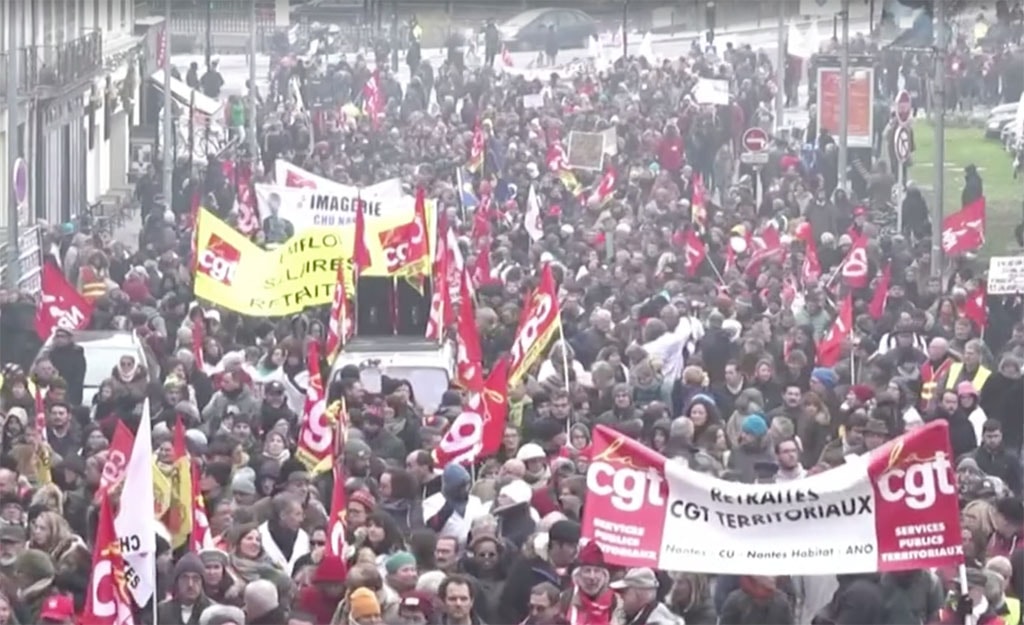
[720,365]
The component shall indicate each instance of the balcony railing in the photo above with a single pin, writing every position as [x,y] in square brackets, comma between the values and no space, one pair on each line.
[47,70]
[57,67]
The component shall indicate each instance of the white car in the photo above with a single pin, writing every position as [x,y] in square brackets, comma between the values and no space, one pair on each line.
[429,366]
[998,118]
[103,350]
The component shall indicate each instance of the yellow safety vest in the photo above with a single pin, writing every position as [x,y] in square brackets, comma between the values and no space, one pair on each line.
[1012,611]
[954,374]
[30,385]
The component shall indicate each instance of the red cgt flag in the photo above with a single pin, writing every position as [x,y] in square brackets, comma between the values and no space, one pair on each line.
[469,373]
[477,432]
[440,297]
[339,501]
[877,306]
[106,601]
[117,460]
[694,252]
[360,253]
[831,346]
[60,304]
[964,230]
[855,270]
[975,308]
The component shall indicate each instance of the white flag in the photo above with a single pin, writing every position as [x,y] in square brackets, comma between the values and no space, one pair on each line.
[135,523]
[532,219]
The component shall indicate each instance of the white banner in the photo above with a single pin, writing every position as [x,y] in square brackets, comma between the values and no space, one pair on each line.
[892,509]
[291,175]
[308,207]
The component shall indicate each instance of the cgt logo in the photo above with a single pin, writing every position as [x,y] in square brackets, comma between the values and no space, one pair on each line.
[629,489]
[219,260]
[401,245]
[920,482]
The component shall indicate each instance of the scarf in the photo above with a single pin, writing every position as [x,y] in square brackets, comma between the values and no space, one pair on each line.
[591,611]
[250,570]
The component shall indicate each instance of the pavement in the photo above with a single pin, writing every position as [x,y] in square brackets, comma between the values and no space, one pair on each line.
[235,67]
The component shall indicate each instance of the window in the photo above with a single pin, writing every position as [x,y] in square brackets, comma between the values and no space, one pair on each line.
[96,13]
[124,15]
[110,15]
[82,17]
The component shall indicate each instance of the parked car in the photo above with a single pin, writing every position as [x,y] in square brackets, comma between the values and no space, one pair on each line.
[529,29]
[103,350]
[998,118]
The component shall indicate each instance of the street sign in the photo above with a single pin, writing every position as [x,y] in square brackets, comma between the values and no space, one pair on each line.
[904,107]
[1006,275]
[901,143]
[755,146]
[19,181]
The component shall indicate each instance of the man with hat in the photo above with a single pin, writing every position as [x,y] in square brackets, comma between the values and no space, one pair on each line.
[188,600]
[876,432]
[416,608]
[591,601]
[975,604]
[638,600]
[364,607]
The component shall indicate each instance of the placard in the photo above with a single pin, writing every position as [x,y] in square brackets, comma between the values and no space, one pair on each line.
[1006,275]
[860,95]
[533,100]
[611,141]
[586,150]
[711,91]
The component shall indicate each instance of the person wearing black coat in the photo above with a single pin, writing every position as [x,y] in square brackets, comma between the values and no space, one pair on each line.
[69,359]
[961,431]
[916,220]
[188,600]
[973,187]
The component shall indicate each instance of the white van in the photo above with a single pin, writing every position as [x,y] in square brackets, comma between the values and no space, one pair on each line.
[428,365]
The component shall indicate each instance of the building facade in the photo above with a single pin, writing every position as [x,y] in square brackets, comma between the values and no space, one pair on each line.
[78,64]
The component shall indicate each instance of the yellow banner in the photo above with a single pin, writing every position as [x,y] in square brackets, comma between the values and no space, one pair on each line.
[236,274]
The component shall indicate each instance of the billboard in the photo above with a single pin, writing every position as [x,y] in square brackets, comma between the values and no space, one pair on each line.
[861,104]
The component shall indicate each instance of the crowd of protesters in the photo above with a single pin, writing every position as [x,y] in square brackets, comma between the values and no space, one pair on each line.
[718,367]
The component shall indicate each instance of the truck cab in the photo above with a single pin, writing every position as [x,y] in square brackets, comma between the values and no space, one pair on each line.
[429,366]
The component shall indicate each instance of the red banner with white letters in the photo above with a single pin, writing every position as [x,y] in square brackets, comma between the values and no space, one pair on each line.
[316,436]
[892,509]
[60,304]
[477,432]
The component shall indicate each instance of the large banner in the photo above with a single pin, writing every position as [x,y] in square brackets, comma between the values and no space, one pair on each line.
[289,174]
[309,208]
[892,509]
[235,273]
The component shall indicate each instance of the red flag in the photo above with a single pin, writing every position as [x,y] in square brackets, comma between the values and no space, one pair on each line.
[198,338]
[831,345]
[855,269]
[373,102]
[477,432]
[877,306]
[694,252]
[339,502]
[106,600]
[811,268]
[964,230]
[117,460]
[469,374]
[41,415]
[440,296]
[537,326]
[360,253]
[201,537]
[339,325]
[316,437]
[506,57]
[248,218]
[476,150]
[976,308]
[606,186]
[60,304]
[763,247]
